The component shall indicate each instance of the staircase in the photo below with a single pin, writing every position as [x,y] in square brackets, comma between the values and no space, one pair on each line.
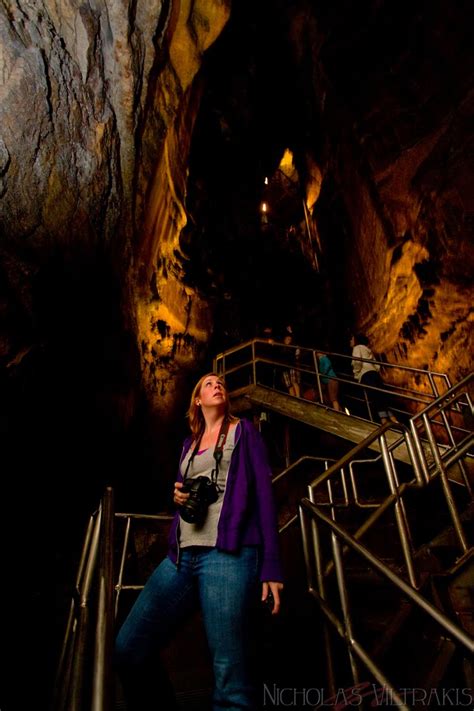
[403,498]
[377,543]
[319,416]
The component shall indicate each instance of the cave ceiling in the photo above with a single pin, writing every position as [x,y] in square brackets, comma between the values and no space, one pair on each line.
[248,117]
[138,144]
[375,102]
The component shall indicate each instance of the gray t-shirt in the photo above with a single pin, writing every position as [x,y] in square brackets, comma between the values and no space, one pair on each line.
[190,534]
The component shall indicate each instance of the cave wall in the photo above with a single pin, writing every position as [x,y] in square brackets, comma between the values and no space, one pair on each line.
[173,320]
[393,91]
[97,105]
[74,82]
[96,108]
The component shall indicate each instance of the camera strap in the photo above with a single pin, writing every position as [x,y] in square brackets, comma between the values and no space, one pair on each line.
[221,440]
[218,450]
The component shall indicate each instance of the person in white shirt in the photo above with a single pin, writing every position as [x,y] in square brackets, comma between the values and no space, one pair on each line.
[366,372]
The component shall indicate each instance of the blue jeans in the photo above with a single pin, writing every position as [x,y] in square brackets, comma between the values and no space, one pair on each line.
[225,585]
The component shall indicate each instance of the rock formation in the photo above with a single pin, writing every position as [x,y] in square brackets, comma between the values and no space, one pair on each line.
[135,138]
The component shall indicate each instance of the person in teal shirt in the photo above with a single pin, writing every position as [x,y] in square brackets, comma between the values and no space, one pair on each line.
[327,376]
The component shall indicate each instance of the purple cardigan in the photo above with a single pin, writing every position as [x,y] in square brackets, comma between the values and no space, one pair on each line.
[248,514]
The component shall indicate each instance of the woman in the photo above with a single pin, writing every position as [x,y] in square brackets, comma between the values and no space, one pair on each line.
[366,371]
[216,562]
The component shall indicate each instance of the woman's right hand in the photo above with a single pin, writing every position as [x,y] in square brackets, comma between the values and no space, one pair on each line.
[178,497]
[271,594]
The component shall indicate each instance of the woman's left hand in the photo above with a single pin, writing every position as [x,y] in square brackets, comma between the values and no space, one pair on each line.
[271,594]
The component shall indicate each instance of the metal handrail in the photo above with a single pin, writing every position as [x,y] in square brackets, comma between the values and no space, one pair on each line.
[439,406]
[98,540]
[344,627]
[290,469]
[455,452]
[297,463]
[384,364]
[119,586]
[69,684]
[423,477]
[365,443]
[95,566]
[421,399]
[129,517]
[100,534]
[222,364]
[395,497]
[104,633]
[409,437]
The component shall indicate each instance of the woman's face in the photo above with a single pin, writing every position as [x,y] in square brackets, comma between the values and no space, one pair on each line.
[212,392]
[352,342]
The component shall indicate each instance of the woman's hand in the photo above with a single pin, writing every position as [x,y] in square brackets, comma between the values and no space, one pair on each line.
[178,497]
[271,594]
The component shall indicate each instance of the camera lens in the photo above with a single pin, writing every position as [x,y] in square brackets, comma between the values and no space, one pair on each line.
[202,492]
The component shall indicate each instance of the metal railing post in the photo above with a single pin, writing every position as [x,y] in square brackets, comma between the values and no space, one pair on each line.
[77,680]
[344,600]
[63,676]
[123,558]
[318,378]
[400,512]
[318,559]
[446,487]
[344,628]
[102,672]
[254,364]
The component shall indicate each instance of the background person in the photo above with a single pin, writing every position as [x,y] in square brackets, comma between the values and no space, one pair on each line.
[367,373]
[292,377]
[327,375]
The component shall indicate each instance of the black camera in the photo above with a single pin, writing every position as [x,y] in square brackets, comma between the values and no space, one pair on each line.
[202,492]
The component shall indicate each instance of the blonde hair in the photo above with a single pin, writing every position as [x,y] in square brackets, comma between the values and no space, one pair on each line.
[195,416]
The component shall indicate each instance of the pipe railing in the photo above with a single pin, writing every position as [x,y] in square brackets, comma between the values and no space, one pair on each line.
[313,556]
[397,491]
[102,697]
[395,497]
[446,403]
[318,571]
[97,556]
[421,466]
[259,361]
[96,566]
[87,653]
[69,684]
[223,358]
[129,517]
[421,427]
[291,469]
